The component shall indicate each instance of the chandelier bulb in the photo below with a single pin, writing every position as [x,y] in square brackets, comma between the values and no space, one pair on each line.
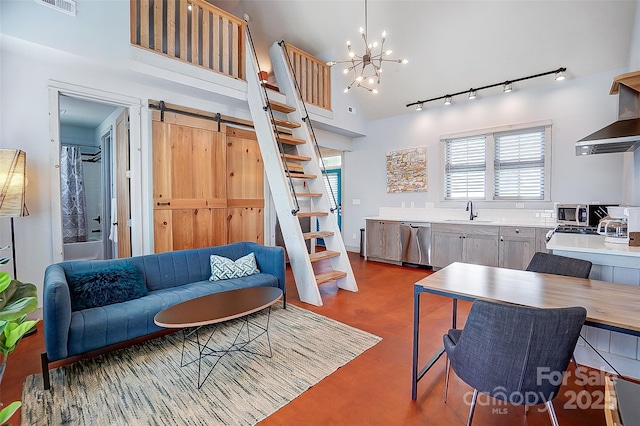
[371,80]
[346,89]
[345,71]
[375,91]
[349,45]
[404,61]
[375,44]
[351,54]
[388,52]
[361,30]
[384,34]
[359,78]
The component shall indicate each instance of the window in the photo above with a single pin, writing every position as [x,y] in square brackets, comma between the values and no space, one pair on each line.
[498,164]
[519,165]
[465,168]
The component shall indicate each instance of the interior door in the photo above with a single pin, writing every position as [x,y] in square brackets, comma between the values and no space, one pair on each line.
[123,191]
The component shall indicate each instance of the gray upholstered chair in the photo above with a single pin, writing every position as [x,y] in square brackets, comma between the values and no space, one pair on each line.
[514,353]
[559,265]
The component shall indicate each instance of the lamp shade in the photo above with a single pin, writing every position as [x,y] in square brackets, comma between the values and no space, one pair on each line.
[13,165]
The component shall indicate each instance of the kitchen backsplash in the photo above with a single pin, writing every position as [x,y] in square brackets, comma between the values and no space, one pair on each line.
[429,212]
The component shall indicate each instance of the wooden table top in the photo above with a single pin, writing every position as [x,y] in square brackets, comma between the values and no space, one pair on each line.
[609,304]
[217,307]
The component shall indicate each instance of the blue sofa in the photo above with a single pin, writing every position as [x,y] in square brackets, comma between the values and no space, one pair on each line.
[170,278]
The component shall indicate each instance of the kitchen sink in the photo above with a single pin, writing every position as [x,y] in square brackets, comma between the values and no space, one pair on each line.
[468,221]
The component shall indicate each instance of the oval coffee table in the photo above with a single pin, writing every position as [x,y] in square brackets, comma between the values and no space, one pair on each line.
[191,315]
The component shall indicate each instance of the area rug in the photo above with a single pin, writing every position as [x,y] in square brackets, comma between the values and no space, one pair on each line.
[145,385]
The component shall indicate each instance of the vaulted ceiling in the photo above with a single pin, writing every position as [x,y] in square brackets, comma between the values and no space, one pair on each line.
[451,45]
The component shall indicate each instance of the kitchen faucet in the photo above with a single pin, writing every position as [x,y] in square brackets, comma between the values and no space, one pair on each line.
[470,210]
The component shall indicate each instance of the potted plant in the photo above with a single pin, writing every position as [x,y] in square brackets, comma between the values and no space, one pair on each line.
[17,299]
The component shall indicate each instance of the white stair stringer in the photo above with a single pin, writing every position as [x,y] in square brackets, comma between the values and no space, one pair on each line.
[286,85]
[280,190]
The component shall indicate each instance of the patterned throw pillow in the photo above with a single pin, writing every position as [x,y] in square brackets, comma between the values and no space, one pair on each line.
[223,268]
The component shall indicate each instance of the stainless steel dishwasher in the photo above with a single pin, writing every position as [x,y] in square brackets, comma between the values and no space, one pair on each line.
[415,239]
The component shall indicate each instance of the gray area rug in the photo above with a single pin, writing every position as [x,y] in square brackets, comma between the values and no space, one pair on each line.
[145,385]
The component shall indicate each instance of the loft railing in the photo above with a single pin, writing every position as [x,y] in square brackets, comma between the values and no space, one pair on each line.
[313,77]
[192,31]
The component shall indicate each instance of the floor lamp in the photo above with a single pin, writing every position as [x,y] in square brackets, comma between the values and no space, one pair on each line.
[13,166]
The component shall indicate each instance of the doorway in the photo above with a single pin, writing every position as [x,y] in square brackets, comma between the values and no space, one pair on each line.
[85,178]
[90,135]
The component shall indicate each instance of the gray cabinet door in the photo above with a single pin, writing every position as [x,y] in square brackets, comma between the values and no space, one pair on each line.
[517,246]
[480,249]
[446,248]
[383,240]
[391,241]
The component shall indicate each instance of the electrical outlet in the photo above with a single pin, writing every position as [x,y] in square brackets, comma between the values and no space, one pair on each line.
[353,236]
[356,201]
[519,205]
[412,204]
[351,110]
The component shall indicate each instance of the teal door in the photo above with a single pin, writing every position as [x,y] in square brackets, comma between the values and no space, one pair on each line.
[333,183]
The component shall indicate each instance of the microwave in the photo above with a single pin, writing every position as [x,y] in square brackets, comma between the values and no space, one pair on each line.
[581,214]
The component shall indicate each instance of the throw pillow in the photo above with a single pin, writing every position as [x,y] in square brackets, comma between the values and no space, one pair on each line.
[223,268]
[105,286]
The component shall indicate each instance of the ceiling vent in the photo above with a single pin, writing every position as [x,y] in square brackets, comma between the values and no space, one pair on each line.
[64,6]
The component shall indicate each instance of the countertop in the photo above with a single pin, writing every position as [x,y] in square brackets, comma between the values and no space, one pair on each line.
[590,244]
[503,222]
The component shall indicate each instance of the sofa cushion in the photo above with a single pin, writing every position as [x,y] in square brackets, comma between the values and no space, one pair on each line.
[105,286]
[223,268]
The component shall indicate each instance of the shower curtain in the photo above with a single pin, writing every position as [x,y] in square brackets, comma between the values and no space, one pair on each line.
[74,210]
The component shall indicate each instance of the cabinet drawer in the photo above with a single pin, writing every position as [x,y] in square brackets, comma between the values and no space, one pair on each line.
[517,231]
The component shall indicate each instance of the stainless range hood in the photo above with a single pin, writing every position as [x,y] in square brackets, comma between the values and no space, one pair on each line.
[622,135]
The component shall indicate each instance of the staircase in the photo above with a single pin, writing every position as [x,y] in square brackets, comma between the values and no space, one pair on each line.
[290,156]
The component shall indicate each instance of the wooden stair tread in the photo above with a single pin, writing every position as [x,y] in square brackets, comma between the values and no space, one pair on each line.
[280,107]
[322,255]
[301,176]
[294,167]
[295,157]
[311,214]
[329,276]
[308,194]
[317,234]
[291,140]
[285,123]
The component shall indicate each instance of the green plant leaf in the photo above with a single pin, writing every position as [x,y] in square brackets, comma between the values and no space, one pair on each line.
[13,332]
[5,280]
[18,308]
[8,411]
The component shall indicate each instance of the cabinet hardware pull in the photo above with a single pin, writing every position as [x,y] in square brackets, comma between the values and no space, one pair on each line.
[168,203]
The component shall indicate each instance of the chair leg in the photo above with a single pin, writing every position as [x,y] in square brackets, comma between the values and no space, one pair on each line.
[446,379]
[578,373]
[552,413]
[45,370]
[526,410]
[473,407]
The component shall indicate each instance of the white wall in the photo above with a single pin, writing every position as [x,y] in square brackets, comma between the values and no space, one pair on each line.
[577,107]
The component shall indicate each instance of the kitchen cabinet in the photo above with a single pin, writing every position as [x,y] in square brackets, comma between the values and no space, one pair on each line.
[476,244]
[541,239]
[517,246]
[383,240]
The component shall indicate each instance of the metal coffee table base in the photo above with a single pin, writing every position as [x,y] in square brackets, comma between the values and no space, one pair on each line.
[192,335]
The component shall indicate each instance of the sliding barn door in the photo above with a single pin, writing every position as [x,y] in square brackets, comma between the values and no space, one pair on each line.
[189,183]
[245,186]
[208,185]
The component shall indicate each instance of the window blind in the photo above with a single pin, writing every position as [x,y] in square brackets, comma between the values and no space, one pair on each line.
[465,167]
[332,185]
[519,162]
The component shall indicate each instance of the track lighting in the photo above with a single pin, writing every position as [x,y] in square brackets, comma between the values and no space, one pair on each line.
[507,86]
[419,106]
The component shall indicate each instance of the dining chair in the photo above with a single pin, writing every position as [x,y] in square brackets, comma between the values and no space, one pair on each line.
[514,353]
[559,265]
